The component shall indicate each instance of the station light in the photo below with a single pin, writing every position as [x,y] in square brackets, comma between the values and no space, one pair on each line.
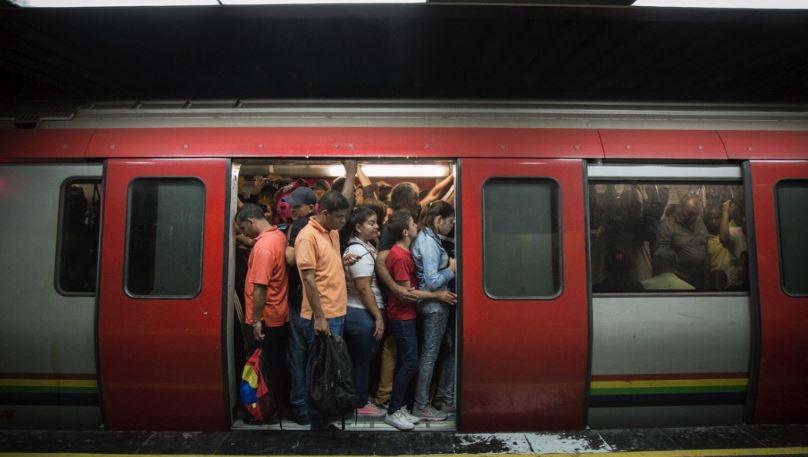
[753,4]
[396,171]
[109,3]
[129,3]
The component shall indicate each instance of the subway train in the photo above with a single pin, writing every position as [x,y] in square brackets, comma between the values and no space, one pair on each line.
[117,267]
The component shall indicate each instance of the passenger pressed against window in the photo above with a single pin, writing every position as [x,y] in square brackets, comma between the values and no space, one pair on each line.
[792,219]
[164,237]
[78,236]
[667,237]
[521,238]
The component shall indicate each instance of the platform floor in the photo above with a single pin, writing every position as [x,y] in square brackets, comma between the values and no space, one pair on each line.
[669,442]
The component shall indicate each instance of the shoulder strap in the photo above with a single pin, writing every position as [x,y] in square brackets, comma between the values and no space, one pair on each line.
[366,250]
[353,243]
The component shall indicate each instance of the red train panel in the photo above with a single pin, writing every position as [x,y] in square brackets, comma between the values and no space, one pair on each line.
[765,144]
[161,358]
[524,360]
[662,144]
[297,141]
[782,390]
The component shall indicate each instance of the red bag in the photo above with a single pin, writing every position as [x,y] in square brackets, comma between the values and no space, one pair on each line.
[254,390]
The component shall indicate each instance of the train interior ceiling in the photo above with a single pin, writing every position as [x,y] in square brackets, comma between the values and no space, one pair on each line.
[374,181]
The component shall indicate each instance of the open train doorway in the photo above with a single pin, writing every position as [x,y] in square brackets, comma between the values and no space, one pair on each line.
[286,189]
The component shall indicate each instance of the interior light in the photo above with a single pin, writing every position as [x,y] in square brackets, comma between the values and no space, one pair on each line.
[396,171]
[312,2]
[756,4]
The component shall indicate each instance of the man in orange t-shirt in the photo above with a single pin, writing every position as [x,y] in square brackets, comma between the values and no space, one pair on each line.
[265,294]
[325,299]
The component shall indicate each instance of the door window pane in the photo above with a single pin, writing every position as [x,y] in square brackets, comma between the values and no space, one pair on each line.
[78,236]
[671,237]
[164,237]
[521,242]
[792,214]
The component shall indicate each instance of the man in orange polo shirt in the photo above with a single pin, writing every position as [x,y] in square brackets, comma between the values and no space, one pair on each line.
[265,294]
[325,299]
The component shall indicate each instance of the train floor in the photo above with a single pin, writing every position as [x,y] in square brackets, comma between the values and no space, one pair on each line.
[736,441]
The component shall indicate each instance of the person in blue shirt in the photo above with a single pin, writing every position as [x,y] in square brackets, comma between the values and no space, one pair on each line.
[434,269]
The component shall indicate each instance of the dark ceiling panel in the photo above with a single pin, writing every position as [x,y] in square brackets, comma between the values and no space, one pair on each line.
[405,51]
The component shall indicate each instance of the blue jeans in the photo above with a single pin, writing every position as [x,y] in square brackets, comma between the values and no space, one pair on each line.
[336,326]
[359,328]
[434,329]
[446,378]
[406,334]
[297,357]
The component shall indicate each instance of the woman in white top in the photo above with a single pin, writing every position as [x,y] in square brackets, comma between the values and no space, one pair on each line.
[364,323]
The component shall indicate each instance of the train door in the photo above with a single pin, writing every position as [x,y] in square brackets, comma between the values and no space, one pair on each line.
[780,199]
[524,307]
[161,294]
[670,306]
[49,245]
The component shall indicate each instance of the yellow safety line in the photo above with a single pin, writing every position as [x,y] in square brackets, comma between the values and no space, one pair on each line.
[670,383]
[679,453]
[47,382]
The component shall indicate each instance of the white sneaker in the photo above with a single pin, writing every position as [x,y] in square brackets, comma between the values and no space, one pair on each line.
[430,414]
[409,416]
[399,421]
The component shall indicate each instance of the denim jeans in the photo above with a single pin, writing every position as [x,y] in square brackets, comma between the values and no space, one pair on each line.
[359,328]
[297,357]
[433,332]
[406,333]
[446,378]
[336,326]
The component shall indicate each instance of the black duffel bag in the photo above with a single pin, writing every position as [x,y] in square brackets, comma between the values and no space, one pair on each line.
[332,389]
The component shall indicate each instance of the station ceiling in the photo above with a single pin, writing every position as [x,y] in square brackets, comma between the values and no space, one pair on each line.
[433,51]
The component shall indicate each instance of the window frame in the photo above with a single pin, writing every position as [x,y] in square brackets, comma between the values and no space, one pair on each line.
[779,228]
[57,267]
[127,229]
[560,242]
[665,173]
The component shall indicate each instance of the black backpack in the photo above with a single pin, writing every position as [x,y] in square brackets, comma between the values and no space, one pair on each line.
[332,390]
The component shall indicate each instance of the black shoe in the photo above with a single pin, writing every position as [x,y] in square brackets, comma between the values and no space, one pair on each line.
[331,427]
[300,418]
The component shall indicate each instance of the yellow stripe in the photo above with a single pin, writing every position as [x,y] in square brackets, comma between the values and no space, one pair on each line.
[680,453]
[669,383]
[48,383]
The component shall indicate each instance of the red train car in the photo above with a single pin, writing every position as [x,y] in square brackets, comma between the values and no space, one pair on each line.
[118,259]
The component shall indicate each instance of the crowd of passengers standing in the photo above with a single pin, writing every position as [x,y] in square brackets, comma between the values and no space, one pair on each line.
[371,265]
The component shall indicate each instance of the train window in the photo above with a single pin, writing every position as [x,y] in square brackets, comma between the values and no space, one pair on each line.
[164,237]
[667,237]
[792,200]
[521,242]
[77,259]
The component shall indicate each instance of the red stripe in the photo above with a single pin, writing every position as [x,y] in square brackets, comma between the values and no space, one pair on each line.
[59,376]
[667,376]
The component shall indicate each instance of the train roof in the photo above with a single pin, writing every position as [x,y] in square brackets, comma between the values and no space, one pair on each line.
[63,57]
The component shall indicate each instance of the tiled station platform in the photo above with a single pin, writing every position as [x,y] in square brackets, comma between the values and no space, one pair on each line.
[669,442]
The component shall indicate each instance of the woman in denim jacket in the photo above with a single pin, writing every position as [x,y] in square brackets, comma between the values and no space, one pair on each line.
[435,269]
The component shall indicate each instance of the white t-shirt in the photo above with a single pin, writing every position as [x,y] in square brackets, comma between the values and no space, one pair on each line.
[364,268]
